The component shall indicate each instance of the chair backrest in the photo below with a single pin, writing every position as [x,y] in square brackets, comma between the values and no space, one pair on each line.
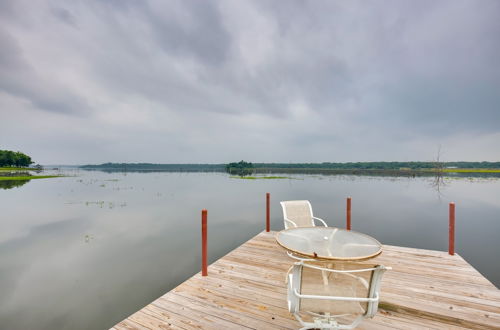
[347,280]
[298,212]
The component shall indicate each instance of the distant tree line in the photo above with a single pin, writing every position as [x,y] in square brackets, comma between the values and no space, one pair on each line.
[378,165]
[246,168]
[14,158]
[156,167]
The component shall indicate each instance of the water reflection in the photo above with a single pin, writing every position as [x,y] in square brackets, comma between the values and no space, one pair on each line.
[85,252]
[9,184]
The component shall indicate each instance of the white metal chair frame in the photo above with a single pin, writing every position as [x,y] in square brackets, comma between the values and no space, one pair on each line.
[288,221]
[301,259]
[328,321]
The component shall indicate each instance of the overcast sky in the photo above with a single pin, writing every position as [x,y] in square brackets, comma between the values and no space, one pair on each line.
[264,81]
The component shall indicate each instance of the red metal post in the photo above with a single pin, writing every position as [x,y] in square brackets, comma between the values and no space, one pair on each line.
[268,212]
[451,246]
[348,213]
[204,268]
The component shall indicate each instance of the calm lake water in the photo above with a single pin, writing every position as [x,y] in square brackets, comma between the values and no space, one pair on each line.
[86,251]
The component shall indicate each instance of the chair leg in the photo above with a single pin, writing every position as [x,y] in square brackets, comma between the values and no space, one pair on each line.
[288,272]
[317,324]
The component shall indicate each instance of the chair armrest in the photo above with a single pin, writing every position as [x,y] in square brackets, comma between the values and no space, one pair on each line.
[290,221]
[310,296]
[324,223]
[336,270]
[291,255]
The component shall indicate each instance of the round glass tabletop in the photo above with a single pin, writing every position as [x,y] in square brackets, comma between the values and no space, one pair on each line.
[329,243]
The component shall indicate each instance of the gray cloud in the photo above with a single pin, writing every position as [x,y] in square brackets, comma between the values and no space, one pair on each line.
[64,15]
[19,78]
[296,80]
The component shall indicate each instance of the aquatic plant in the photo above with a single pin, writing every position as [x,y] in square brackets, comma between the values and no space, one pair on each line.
[262,177]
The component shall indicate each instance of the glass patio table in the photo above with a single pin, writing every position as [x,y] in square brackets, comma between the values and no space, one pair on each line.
[329,243]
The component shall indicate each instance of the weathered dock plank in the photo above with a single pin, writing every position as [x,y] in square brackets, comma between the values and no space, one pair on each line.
[246,289]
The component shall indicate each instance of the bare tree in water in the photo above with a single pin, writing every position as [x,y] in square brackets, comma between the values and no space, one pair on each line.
[439,167]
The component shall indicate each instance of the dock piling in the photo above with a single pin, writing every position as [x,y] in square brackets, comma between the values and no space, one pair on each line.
[268,212]
[204,268]
[451,229]
[348,213]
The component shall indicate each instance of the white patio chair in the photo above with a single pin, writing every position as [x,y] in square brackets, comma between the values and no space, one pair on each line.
[321,297]
[299,214]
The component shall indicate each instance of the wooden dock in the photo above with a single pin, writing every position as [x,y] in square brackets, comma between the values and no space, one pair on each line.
[246,289]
